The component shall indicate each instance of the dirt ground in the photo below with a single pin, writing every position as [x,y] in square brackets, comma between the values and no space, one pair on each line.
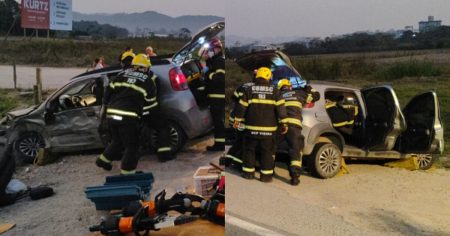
[69,212]
[371,200]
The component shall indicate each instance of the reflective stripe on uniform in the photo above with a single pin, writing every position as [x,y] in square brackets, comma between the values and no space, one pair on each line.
[343,123]
[309,98]
[293,104]
[234,158]
[216,95]
[164,149]
[329,105]
[245,104]
[127,172]
[261,101]
[296,163]
[218,71]
[219,140]
[284,121]
[261,128]
[245,169]
[151,106]
[121,112]
[280,102]
[238,119]
[267,172]
[153,78]
[104,159]
[293,121]
[151,99]
[132,86]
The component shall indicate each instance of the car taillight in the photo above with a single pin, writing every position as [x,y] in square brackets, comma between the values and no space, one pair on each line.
[177,79]
[309,105]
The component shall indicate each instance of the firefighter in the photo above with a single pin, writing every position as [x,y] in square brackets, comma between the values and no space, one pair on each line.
[263,109]
[213,55]
[156,119]
[126,58]
[124,99]
[234,154]
[295,100]
[342,112]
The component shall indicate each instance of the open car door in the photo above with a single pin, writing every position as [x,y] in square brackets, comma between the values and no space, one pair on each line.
[384,120]
[424,133]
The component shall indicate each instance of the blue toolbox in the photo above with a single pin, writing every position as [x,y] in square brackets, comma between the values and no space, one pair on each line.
[119,190]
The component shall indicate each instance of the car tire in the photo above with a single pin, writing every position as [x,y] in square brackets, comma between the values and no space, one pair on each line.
[27,146]
[425,161]
[177,136]
[325,160]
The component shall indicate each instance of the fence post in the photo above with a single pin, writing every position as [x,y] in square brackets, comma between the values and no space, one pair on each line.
[14,75]
[35,94]
[38,85]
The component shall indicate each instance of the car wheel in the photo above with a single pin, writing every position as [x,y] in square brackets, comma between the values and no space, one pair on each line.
[177,137]
[27,146]
[326,160]
[425,161]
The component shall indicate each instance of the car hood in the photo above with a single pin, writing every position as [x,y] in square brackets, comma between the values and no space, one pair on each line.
[255,60]
[21,112]
[201,37]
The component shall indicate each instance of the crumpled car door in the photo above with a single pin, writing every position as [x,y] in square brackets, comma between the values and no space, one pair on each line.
[75,129]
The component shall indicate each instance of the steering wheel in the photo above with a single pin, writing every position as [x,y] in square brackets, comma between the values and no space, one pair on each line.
[76,100]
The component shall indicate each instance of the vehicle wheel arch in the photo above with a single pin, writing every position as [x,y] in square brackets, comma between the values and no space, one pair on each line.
[334,138]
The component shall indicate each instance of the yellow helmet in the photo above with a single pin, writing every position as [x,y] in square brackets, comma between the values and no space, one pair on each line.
[127,54]
[264,73]
[141,60]
[284,82]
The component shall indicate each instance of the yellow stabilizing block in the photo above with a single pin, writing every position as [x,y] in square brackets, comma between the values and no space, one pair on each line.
[410,163]
[6,227]
[344,168]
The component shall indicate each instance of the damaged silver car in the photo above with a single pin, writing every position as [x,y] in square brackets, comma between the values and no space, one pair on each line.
[69,119]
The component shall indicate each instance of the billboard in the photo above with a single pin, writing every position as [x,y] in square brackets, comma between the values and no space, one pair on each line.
[47,14]
[61,14]
[35,14]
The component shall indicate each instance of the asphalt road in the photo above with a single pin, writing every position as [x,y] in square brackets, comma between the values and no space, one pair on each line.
[371,200]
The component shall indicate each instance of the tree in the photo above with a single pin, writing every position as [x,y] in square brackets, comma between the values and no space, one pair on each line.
[9,9]
[184,33]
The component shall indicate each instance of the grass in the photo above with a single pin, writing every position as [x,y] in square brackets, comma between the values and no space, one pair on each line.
[408,72]
[76,53]
[12,99]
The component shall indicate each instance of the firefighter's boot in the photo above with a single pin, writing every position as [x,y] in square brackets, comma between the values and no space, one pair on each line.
[103,163]
[248,175]
[266,178]
[294,172]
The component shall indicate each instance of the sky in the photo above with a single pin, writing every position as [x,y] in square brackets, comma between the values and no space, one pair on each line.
[168,7]
[321,18]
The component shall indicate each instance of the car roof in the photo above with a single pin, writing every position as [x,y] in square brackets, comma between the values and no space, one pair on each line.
[104,70]
[325,84]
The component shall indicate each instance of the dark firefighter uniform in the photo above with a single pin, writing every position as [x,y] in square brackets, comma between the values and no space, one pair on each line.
[125,98]
[215,90]
[342,117]
[295,100]
[156,119]
[263,109]
[234,154]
